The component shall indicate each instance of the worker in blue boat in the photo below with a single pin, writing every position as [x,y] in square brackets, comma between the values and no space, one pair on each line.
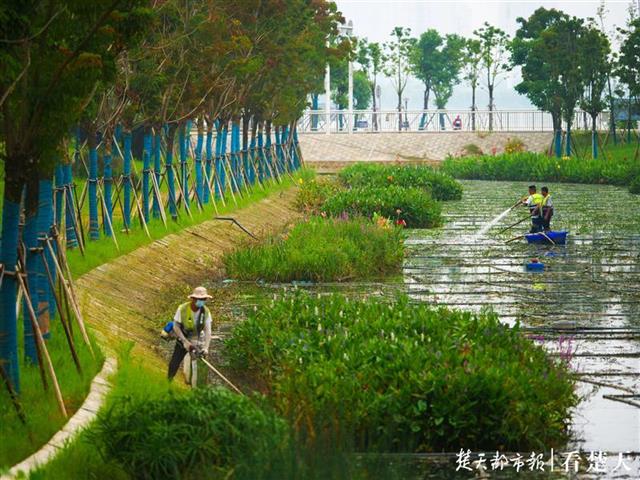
[547,209]
[534,203]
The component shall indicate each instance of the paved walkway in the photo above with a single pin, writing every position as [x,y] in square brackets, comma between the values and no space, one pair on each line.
[330,152]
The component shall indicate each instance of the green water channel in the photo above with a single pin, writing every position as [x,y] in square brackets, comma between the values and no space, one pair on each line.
[584,307]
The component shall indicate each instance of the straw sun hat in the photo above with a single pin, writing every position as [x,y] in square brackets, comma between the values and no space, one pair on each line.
[200,293]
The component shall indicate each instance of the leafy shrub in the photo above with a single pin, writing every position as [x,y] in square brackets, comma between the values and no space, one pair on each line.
[170,437]
[441,186]
[514,145]
[471,149]
[634,186]
[528,166]
[322,249]
[312,194]
[413,206]
[403,376]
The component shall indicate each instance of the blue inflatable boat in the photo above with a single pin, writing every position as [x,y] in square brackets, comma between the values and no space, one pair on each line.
[559,238]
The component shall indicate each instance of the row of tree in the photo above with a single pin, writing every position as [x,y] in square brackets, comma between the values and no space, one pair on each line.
[566,62]
[99,70]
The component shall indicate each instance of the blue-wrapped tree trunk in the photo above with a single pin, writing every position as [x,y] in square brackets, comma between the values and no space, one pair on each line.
[108,185]
[94,222]
[219,169]
[223,155]
[246,164]
[184,171]
[262,168]
[171,182]
[59,196]
[146,172]
[70,217]
[208,161]
[30,239]
[126,217]
[252,152]
[198,162]
[268,151]
[157,169]
[8,289]
[44,223]
[235,154]
[278,159]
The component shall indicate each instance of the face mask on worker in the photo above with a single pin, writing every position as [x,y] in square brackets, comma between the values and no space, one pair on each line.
[200,303]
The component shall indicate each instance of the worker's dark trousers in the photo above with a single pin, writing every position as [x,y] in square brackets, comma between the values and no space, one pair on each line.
[537,224]
[179,353]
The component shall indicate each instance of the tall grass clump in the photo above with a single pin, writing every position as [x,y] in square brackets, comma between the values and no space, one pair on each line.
[412,207]
[440,185]
[174,436]
[321,249]
[529,166]
[634,186]
[397,376]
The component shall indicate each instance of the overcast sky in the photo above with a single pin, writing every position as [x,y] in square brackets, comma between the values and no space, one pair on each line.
[375,19]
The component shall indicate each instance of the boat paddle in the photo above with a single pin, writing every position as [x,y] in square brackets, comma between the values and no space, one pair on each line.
[514,239]
[548,238]
[513,225]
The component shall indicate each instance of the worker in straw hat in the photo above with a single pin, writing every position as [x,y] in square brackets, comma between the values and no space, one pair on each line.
[192,329]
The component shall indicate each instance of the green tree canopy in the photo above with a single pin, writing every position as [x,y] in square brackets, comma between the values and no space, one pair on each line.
[436,60]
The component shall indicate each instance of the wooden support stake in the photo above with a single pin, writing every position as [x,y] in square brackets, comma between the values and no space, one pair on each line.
[40,341]
[228,175]
[107,217]
[67,285]
[139,208]
[63,319]
[74,220]
[186,205]
[156,192]
[212,195]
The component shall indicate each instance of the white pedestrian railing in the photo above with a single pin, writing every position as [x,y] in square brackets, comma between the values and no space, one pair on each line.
[368,121]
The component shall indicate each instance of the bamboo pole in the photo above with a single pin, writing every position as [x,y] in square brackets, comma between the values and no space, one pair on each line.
[40,341]
[513,225]
[547,237]
[63,319]
[79,206]
[74,223]
[139,208]
[116,193]
[215,178]
[519,237]
[224,165]
[67,285]
[212,195]
[181,192]
[21,294]
[156,191]
[106,216]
